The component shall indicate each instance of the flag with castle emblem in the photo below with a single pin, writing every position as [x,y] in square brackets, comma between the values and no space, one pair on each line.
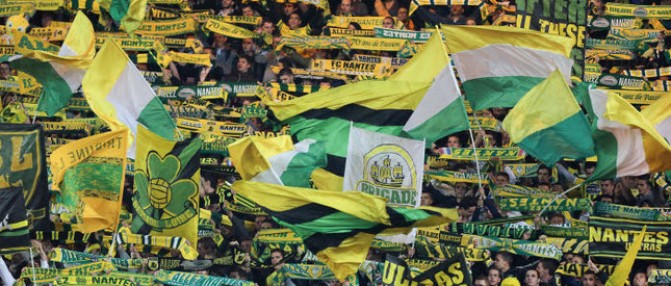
[385,165]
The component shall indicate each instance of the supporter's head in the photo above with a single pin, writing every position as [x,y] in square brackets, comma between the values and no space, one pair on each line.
[557,187]
[244,63]
[544,174]
[453,141]
[589,169]
[557,219]
[286,76]
[346,7]
[289,8]
[456,10]
[247,10]
[643,185]
[467,207]
[629,182]
[608,187]
[510,281]
[5,70]
[471,22]
[502,179]
[238,273]
[276,256]
[531,278]
[402,14]
[388,22]
[544,186]
[503,261]
[219,40]
[248,46]
[493,276]
[268,26]
[426,199]
[605,199]
[460,190]
[259,220]
[577,259]
[546,269]
[588,278]
[354,26]
[46,20]
[268,224]
[227,3]
[639,279]
[480,281]
[295,20]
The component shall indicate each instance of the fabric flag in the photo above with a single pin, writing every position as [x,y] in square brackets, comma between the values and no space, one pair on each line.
[24,165]
[167,177]
[128,13]
[326,116]
[498,65]
[659,114]
[441,112]
[118,93]
[424,66]
[14,236]
[89,173]
[546,132]
[338,226]
[385,166]
[60,75]
[277,160]
[627,144]
[622,270]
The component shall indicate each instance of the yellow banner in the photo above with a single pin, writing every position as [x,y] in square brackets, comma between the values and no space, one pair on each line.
[313,42]
[350,67]
[128,43]
[24,43]
[639,97]
[7,10]
[229,30]
[196,59]
[201,15]
[168,28]
[638,11]
[247,20]
[41,5]
[216,127]
[340,32]
[49,34]
[7,50]
[367,23]
[377,44]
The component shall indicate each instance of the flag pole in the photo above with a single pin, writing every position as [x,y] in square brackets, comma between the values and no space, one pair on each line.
[470,130]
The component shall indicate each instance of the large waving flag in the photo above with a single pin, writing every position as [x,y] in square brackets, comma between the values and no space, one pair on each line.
[277,160]
[89,173]
[659,114]
[499,65]
[627,144]
[118,93]
[60,75]
[128,13]
[167,176]
[338,226]
[546,132]
[381,106]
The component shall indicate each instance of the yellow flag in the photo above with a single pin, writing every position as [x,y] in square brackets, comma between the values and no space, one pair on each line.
[89,173]
[621,272]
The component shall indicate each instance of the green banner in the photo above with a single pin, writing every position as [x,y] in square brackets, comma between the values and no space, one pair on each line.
[629,212]
[414,36]
[604,23]
[519,247]
[566,18]
[565,232]
[504,154]
[300,271]
[616,81]
[493,231]
[638,11]
[611,237]
[175,278]
[538,204]
[614,44]
[520,191]
[452,176]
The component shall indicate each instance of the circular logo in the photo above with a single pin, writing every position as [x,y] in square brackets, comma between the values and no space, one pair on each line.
[601,23]
[608,80]
[640,12]
[390,166]
[186,93]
